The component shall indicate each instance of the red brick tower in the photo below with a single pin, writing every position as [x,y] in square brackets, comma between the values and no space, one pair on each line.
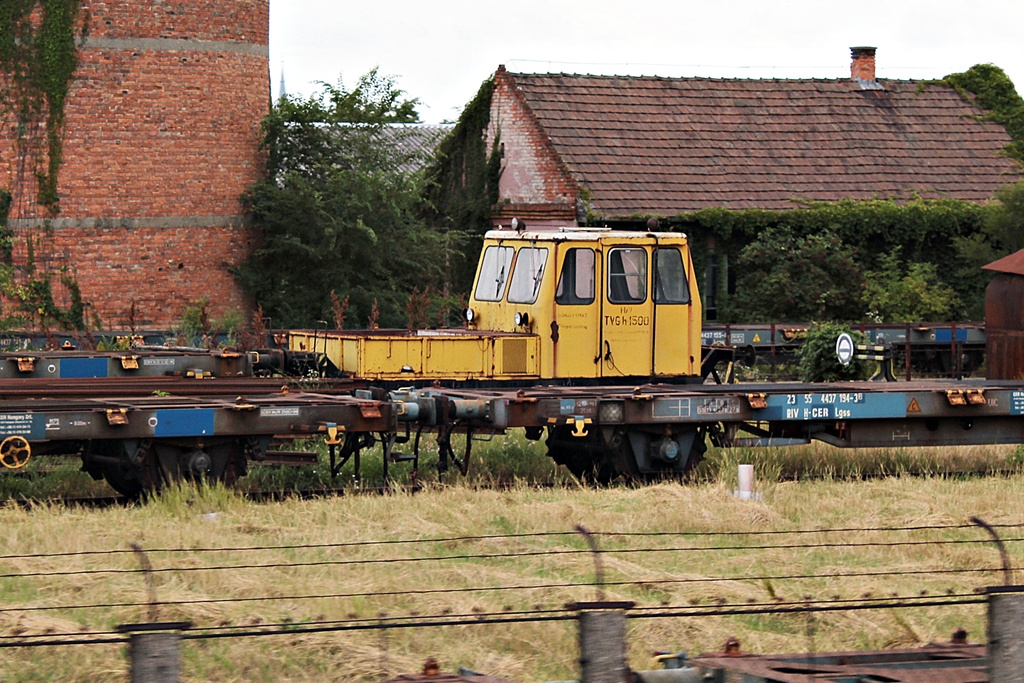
[160,139]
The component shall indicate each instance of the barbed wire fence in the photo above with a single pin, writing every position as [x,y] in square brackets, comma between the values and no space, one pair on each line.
[154,564]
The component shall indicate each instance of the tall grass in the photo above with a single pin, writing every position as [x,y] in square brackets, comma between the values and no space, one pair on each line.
[173,524]
[821,461]
[494,459]
[510,459]
[50,477]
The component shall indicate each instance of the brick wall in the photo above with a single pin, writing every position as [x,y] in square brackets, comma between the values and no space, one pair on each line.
[161,139]
[535,185]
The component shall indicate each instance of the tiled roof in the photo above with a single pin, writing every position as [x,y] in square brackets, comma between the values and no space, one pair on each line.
[416,141]
[663,146]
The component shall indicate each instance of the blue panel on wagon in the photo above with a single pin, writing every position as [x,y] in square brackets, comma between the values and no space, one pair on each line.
[29,425]
[945,334]
[833,406]
[183,423]
[1017,403]
[83,368]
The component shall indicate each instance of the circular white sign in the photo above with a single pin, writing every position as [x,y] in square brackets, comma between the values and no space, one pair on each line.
[844,348]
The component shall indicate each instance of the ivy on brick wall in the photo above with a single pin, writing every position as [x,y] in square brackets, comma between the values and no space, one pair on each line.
[32,294]
[6,234]
[38,59]
[462,185]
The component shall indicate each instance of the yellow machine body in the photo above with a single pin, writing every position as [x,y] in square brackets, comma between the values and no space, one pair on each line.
[554,304]
[455,354]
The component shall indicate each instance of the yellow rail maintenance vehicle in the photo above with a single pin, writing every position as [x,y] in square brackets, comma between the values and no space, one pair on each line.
[570,306]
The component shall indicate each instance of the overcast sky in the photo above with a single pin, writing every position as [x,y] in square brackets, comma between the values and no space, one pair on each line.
[441,51]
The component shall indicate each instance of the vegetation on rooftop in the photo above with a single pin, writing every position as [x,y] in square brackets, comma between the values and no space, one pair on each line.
[988,87]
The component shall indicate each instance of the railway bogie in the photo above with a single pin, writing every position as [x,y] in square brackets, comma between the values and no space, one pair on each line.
[603,454]
[132,466]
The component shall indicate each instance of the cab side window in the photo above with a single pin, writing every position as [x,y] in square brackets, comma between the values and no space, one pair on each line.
[494,272]
[527,275]
[670,283]
[576,281]
[627,275]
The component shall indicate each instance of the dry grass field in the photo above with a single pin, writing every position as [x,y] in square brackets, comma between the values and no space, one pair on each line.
[221,561]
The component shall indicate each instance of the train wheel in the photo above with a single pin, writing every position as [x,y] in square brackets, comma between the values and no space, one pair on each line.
[171,462]
[133,468]
[584,457]
[123,481]
[585,468]
[647,458]
[113,461]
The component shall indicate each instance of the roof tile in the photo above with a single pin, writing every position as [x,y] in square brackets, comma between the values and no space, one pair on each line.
[689,143]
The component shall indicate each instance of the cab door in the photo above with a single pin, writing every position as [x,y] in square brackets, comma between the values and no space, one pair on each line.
[673,314]
[576,317]
[626,319]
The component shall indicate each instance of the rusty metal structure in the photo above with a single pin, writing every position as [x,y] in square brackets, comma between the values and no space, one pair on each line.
[136,441]
[1004,316]
[946,662]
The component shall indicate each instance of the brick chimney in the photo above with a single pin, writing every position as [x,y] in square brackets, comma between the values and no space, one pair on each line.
[862,68]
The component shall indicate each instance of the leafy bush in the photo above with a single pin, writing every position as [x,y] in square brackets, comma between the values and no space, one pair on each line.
[818,360]
[923,230]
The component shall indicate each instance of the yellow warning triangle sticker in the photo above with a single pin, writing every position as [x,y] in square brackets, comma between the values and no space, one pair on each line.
[757,337]
[913,407]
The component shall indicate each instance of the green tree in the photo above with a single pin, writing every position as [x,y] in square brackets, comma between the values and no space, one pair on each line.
[787,276]
[339,209]
[896,293]
[1001,234]
[1005,220]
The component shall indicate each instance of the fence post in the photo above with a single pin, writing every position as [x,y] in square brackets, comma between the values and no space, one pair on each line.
[1006,634]
[155,651]
[603,642]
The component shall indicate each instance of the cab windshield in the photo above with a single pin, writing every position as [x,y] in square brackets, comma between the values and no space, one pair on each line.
[494,270]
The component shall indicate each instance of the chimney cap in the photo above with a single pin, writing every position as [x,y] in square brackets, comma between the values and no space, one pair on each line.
[862,67]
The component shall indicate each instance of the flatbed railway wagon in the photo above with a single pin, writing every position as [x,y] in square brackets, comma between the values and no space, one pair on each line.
[589,339]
